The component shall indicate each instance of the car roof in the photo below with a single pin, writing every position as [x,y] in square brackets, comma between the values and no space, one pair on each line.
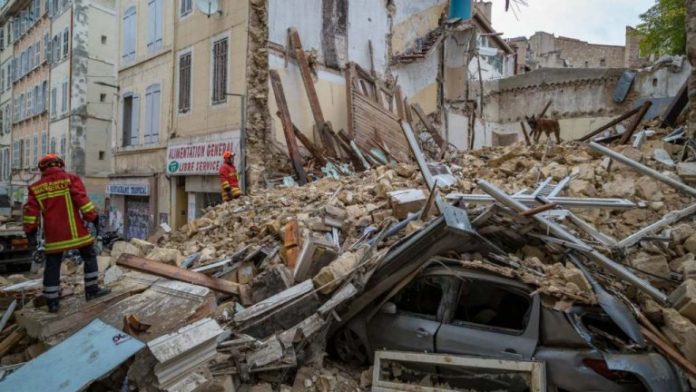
[444,267]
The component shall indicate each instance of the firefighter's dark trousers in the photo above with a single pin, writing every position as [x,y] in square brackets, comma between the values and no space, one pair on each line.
[51,279]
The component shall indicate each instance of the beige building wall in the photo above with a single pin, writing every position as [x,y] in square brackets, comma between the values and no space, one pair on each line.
[5,106]
[143,161]
[195,34]
[27,128]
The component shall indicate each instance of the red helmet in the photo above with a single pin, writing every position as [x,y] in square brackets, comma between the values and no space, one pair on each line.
[227,155]
[50,160]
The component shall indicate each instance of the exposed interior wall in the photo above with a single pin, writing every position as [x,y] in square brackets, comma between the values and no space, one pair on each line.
[414,20]
[418,81]
[331,90]
[368,23]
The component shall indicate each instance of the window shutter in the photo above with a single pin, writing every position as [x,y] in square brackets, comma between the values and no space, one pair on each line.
[158,23]
[151,23]
[135,121]
[49,49]
[154,135]
[147,134]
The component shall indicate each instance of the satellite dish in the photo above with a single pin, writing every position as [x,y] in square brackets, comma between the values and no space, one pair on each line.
[208,7]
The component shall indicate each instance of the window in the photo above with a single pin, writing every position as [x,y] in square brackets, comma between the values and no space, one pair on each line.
[30,102]
[102,154]
[21,107]
[37,99]
[8,75]
[55,47]
[2,122]
[53,144]
[44,95]
[55,7]
[602,62]
[47,48]
[220,71]
[35,161]
[422,296]
[37,53]
[16,154]
[2,79]
[485,303]
[102,97]
[27,153]
[63,146]
[6,163]
[8,118]
[152,114]
[131,121]
[103,40]
[54,98]
[2,38]
[66,42]
[129,34]
[30,58]
[154,25]
[185,7]
[44,143]
[185,82]
[64,97]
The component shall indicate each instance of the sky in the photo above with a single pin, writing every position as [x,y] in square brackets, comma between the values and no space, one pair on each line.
[596,21]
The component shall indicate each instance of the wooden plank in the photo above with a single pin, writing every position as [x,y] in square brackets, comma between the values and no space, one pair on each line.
[292,242]
[399,103]
[635,122]
[526,135]
[312,96]
[172,345]
[348,73]
[10,341]
[670,352]
[367,117]
[176,273]
[428,125]
[274,302]
[609,124]
[288,127]
[546,108]
[676,107]
[343,294]
[8,313]
[316,152]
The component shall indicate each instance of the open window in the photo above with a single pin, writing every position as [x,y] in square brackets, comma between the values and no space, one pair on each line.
[422,296]
[489,305]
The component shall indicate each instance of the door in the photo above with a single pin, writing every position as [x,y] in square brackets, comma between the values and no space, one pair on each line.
[137,217]
[490,318]
[411,318]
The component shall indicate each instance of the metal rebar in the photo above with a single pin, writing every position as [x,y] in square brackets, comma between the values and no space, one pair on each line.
[639,167]
[563,234]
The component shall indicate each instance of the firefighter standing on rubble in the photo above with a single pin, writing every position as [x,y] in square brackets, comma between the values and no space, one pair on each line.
[60,198]
[229,181]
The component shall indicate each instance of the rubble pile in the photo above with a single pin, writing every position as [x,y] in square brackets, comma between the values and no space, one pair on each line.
[254,291]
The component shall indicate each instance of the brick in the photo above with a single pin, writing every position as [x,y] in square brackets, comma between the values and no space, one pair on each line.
[684,299]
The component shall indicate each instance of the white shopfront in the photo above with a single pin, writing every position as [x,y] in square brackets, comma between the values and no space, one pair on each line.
[192,166]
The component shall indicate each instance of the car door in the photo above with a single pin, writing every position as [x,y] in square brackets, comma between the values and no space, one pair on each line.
[490,317]
[410,319]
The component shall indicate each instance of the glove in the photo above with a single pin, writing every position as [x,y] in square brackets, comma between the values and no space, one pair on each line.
[95,222]
[31,238]
[228,191]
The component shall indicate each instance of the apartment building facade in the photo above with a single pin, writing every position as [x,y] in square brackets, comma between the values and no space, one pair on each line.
[138,190]
[57,90]
[6,56]
[181,78]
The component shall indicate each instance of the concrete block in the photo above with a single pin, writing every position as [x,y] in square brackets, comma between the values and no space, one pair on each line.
[684,299]
[406,200]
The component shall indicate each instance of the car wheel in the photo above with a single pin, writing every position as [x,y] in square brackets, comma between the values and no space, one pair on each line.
[350,348]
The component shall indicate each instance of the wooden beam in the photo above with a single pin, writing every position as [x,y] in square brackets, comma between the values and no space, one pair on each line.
[288,127]
[609,124]
[526,135]
[312,96]
[399,103]
[292,241]
[546,108]
[669,117]
[348,73]
[316,152]
[428,125]
[172,272]
[10,341]
[636,121]
[669,352]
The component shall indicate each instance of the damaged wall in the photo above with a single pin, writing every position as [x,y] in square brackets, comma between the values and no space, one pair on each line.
[414,19]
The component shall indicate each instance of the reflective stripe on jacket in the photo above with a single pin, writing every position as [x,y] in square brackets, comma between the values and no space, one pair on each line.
[62,200]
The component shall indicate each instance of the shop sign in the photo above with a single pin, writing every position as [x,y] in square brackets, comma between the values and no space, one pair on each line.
[128,189]
[202,156]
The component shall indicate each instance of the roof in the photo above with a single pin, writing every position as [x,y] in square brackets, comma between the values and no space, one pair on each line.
[482,23]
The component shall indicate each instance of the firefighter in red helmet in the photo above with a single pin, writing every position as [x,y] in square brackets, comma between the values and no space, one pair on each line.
[61,199]
[229,181]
